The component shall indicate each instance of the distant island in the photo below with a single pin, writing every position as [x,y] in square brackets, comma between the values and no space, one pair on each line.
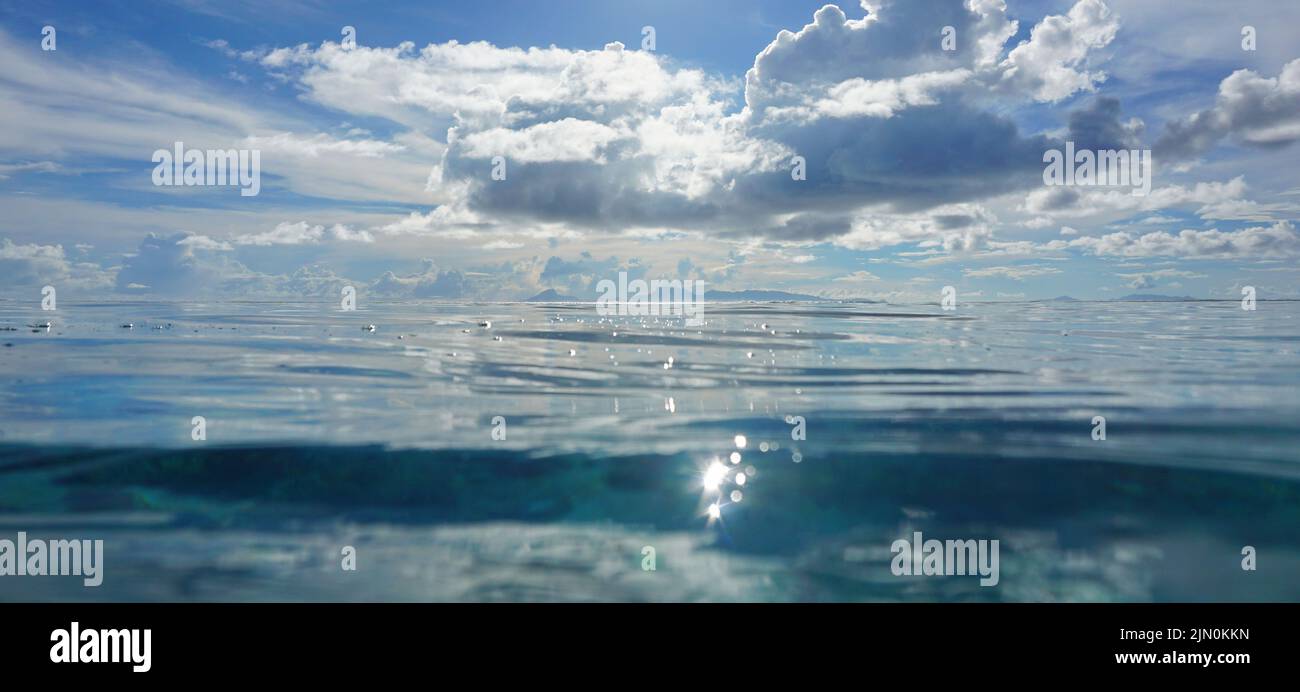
[551,295]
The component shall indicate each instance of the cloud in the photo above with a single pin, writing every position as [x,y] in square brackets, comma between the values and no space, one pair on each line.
[895,42]
[569,139]
[8,169]
[168,266]
[1278,240]
[1048,65]
[300,233]
[1084,201]
[24,269]
[1097,126]
[858,276]
[911,155]
[429,282]
[78,108]
[617,140]
[303,233]
[321,144]
[881,98]
[345,234]
[1019,273]
[579,276]
[1250,109]
[163,265]
[954,228]
[223,46]
[202,242]
[1147,280]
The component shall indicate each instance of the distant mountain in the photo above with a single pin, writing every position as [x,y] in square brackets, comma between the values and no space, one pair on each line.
[711,295]
[551,295]
[1154,298]
[1063,299]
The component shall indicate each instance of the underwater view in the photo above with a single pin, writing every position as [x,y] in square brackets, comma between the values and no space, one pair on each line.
[493,451]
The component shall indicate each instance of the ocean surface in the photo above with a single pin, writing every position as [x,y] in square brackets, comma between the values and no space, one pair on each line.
[532,452]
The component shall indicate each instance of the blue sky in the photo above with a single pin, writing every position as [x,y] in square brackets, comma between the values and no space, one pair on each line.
[924,165]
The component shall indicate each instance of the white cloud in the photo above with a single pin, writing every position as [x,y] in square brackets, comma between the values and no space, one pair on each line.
[1048,65]
[623,140]
[348,235]
[1147,280]
[1278,240]
[78,108]
[859,276]
[880,98]
[303,233]
[1254,110]
[25,268]
[8,169]
[569,139]
[286,233]
[1019,273]
[1085,201]
[203,242]
[320,144]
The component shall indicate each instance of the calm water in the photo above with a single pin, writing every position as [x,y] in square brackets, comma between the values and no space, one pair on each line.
[974,424]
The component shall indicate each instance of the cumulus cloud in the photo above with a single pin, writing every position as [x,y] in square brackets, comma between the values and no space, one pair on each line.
[1277,240]
[429,282]
[1098,126]
[624,140]
[580,275]
[1077,201]
[163,265]
[350,235]
[1051,65]
[203,242]
[900,143]
[169,266]
[1250,109]
[894,42]
[28,267]
[569,139]
[955,228]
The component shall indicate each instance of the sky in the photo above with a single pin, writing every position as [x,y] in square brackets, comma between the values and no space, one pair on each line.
[492,150]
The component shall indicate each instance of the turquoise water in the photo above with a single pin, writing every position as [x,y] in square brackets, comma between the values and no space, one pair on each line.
[535,458]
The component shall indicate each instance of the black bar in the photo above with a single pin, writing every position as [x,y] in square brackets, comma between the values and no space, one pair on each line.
[334,641]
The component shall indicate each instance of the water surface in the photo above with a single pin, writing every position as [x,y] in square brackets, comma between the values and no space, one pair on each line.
[977,423]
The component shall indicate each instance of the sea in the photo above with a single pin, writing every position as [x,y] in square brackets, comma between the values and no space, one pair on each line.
[777,451]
